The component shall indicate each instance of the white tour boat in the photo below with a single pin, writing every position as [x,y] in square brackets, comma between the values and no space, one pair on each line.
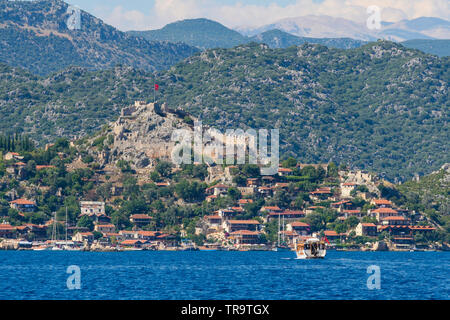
[310,248]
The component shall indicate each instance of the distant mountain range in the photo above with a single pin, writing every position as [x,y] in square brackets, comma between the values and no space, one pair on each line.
[34,35]
[332,27]
[206,34]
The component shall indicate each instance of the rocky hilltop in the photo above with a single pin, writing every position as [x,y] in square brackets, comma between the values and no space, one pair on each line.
[140,135]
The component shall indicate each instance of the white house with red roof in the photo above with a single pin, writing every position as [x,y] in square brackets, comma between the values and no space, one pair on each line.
[140,219]
[366,229]
[381,203]
[23,205]
[300,228]
[381,213]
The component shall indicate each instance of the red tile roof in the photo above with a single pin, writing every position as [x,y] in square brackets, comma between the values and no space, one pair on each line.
[351,211]
[140,216]
[368,224]
[243,222]
[106,225]
[299,224]
[284,170]
[422,228]
[384,210]
[341,202]
[330,233]
[245,232]
[23,202]
[394,218]
[320,192]
[44,167]
[131,242]
[271,208]
[148,233]
[382,202]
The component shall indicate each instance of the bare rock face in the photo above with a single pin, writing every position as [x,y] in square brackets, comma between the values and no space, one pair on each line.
[143,133]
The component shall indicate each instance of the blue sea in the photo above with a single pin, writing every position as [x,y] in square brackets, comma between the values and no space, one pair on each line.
[223,275]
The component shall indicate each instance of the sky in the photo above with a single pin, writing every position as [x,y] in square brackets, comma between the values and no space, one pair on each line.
[154,14]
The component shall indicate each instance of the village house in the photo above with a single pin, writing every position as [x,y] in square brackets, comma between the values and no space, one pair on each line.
[243,202]
[342,205]
[148,235]
[237,225]
[213,222]
[217,190]
[366,229]
[132,243]
[347,188]
[211,198]
[91,208]
[403,242]
[284,172]
[38,231]
[332,235]
[252,182]
[7,231]
[300,228]
[271,209]
[166,240]
[112,237]
[83,237]
[246,191]
[267,180]
[381,213]
[319,194]
[245,237]
[125,234]
[140,220]
[23,205]
[381,203]
[226,214]
[351,213]
[12,156]
[395,225]
[105,228]
[395,220]
[313,209]
[94,210]
[265,191]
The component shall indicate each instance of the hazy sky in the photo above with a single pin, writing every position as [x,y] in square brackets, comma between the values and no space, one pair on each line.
[153,14]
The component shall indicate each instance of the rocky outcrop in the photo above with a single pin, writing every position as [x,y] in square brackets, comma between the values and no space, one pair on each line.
[143,133]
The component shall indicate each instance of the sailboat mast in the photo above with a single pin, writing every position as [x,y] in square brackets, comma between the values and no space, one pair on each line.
[278,229]
[66,225]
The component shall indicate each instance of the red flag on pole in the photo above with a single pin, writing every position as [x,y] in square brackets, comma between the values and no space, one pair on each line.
[156,87]
[325,238]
